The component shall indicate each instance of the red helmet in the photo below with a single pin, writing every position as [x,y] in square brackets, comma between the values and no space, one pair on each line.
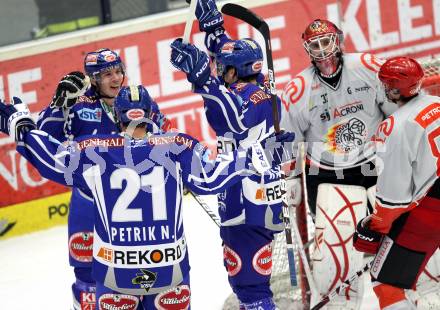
[402,75]
[322,39]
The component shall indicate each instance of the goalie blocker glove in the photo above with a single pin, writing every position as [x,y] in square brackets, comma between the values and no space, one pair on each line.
[69,89]
[364,239]
[15,119]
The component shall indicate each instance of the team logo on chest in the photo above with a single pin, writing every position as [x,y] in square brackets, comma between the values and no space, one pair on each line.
[346,136]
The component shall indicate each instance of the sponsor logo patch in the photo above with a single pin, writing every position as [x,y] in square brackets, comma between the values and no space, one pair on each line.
[262,260]
[90,115]
[135,114]
[81,246]
[118,302]
[228,47]
[232,261]
[91,59]
[256,66]
[347,109]
[145,279]
[110,57]
[174,299]
[88,301]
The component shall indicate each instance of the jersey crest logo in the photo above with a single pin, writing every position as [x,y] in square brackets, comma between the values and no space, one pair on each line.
[145,279]
[232,260]
[347,136]
[118,301]
[262,260]
[176,298]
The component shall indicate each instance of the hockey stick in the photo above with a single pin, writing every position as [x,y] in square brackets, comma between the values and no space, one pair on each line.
[207,209]
[258,23]
[327,298]
[189,22]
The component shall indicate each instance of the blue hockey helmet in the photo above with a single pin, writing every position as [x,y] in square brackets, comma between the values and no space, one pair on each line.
[133,104]
[244,55]
[101,60]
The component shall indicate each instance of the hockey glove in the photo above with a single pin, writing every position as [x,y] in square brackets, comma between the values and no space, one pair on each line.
[208,15]
[271,151]
[278,147]
[69,89]
[293,191]
[15,119]
[364,239]
[192,61]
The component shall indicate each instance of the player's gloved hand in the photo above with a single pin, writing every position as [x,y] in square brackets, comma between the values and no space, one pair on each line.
[364,239]
[278,147]
[293,191]
[15,119]
[192,61]
[69,89]
[272,151]
[208,15]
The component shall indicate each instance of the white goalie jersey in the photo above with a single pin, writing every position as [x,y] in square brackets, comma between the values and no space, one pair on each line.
[339,120]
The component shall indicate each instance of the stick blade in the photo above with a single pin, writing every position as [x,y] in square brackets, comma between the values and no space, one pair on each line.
[244,14]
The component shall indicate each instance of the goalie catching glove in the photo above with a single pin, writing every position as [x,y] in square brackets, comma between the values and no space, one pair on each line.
[69,89]
[364,239]
[15,119]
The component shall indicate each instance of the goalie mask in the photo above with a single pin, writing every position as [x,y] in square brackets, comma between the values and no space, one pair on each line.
[244,55]
[132,106]
[401,77]
[322,42]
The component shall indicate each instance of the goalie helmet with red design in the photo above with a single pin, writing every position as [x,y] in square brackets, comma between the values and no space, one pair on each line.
[322,41]
[401,77]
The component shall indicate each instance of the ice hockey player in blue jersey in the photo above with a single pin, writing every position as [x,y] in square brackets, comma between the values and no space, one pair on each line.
[136,180]
[239,109]
[75,111]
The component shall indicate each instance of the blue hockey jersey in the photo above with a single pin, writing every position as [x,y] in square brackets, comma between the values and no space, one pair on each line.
[89,116]
[139,246]
[241,115]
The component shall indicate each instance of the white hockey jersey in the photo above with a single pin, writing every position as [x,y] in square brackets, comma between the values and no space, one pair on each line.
[408,158]
[340,120]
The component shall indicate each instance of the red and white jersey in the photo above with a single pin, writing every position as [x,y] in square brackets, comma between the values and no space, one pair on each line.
[408,159]
[338,120]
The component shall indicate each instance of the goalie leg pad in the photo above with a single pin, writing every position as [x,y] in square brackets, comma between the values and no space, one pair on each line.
[334,259]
